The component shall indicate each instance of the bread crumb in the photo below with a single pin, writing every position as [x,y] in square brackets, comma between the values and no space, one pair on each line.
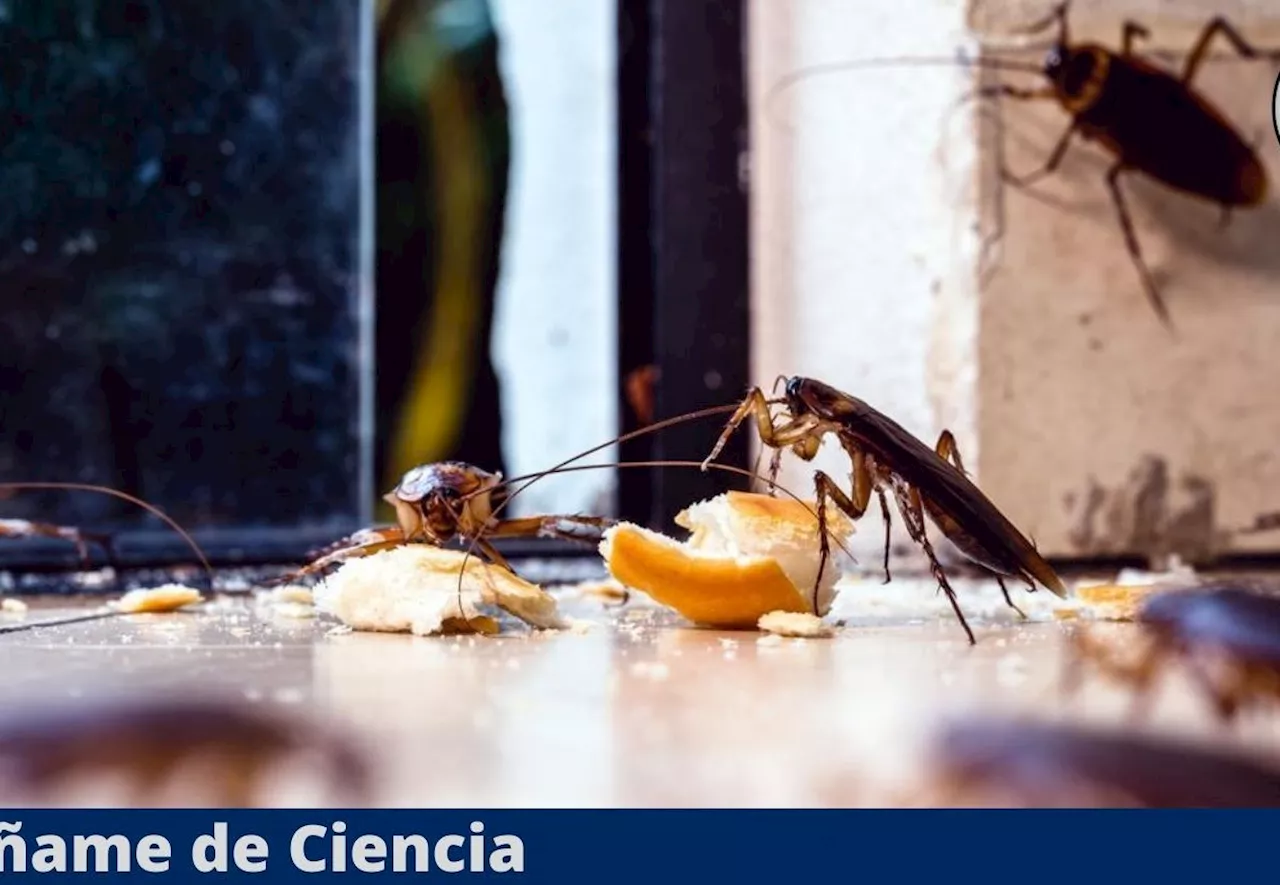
[415,589]
[289,593]
[771,641]
[1117,601]
[796,624]
[296,610]
[608,590]
[165,598]
[654,670]
[581,626]
[13,606]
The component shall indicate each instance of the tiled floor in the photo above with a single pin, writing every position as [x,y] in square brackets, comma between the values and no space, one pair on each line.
[635,711]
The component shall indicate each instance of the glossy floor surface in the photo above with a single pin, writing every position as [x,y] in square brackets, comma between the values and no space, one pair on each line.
[628,708]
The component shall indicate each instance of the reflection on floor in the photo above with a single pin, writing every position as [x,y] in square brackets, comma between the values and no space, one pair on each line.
[633,709]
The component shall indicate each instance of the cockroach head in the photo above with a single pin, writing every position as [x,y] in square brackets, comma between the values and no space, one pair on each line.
[805,396]
[1075,73]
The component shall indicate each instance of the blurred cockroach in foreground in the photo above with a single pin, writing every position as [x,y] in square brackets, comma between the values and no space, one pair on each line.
[147,742]
[1228,638]
[884,455]
[1013,763]
[21,528]
[1152,121]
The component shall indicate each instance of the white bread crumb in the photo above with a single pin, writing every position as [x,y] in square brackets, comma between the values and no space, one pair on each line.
[796,624]
[165,598]
[415,589]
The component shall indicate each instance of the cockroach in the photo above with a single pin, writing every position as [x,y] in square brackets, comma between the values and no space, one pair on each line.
[922,480]
[440,503]
[21,528]
[1150,120]
[1227,636]
[1042,764]
[451,500]
[638,387]
[148,739]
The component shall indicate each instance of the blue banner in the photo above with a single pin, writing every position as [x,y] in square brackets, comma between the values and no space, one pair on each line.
[653,847]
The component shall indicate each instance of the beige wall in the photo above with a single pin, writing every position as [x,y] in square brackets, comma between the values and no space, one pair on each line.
[1094,429]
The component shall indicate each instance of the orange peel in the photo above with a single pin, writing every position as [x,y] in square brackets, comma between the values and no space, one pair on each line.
[747,555]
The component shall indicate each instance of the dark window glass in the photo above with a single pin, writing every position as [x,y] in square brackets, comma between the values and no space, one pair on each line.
[179,260]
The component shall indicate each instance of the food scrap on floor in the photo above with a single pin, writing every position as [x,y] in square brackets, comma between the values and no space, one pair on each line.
[801,625]
[426,590]
[156,600]
[747,555]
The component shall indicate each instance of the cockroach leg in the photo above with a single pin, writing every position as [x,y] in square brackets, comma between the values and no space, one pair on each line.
[1020,93]
[884,511]
[778,437]
[775,465]
[998,91]
[862,482]
[948,451]
[1008,599]
[827,490]
[1218,25]
[1131,241]
[21,528]
[550,527]
[1132,31]
[362,543]
[912,510]
[1051,165]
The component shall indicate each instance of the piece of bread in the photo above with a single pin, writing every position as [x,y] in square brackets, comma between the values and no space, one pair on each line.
[1115,602]
[165,598]
[414,588]
[747,555]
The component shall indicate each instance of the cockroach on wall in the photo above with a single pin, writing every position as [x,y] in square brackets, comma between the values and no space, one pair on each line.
[884,455]
[1150,120]
[1227,636]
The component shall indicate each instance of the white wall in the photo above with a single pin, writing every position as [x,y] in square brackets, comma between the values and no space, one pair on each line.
[554,336]
[862,223]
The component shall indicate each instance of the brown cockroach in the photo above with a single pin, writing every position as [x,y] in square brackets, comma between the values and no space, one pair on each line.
[439,503]
[147,740]
[21,528]
[1151,121]
[638,388]
[922,480]
[1013,762]
[451,500]
[1227,636]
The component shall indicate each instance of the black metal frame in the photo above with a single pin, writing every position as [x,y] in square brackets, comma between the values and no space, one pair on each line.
[684,261]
